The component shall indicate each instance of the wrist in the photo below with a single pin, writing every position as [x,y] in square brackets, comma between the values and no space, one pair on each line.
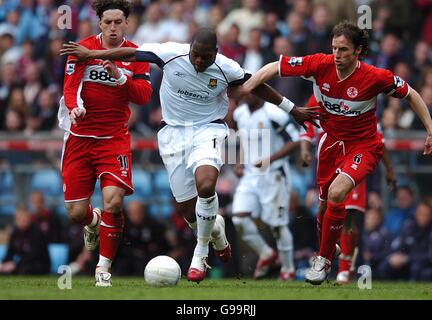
[122,80]
[286,105]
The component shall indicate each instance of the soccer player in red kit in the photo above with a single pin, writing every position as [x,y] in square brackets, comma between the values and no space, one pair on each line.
[350,148]
[94,111]
[355,202]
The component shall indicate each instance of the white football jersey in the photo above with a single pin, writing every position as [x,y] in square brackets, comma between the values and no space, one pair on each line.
[189,97]
[262,133]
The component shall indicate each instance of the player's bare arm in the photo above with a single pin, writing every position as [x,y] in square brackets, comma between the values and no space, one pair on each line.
[305,152]
[266,73]
[282,152]
[81,53]
[420,108]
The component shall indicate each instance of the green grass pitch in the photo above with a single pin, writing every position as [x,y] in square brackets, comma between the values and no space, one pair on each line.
[124,288]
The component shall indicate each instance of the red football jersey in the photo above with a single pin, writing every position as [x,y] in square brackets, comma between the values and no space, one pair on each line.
[349,104]
[87,84]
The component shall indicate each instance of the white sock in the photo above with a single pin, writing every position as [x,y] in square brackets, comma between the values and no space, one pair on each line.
[206,210]
[104,263]
[250,234]
[95,220]
[285,248]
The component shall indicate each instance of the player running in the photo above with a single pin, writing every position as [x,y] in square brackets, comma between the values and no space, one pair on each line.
[194,102]
[94,112]
[350,149]
[355,202]
[265,185]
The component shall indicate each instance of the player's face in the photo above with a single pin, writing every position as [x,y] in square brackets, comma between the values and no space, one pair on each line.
[202,56]
[113,25]
[344,53]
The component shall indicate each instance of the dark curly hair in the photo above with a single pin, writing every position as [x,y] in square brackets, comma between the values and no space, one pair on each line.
[100,6]
[357,36]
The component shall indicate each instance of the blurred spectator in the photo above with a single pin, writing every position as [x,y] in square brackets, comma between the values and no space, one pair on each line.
[43,115]
[340,10]
[253,58]
[298,35]
[215,16]
[151,30]
[47,221]
[176,27]
[376,240]
[247,17]
[320,30]
[426,94]
[230,45]
[33,82]
[404,210]
[27,251]
[270,30]
[425,7]
[144,238]
[411,257]
[389,53]
[53,65]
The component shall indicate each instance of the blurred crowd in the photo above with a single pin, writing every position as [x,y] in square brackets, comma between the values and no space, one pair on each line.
[397,243]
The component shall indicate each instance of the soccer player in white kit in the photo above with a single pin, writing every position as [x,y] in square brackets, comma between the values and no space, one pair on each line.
[194,102]
[265,184]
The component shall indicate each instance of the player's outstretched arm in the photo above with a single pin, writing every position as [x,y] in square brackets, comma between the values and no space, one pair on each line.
[420,108]
[81,53]
[261,76]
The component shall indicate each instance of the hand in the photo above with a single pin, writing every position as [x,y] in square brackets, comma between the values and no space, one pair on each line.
[7,267]
[303,114]
[238,170]
[111,68]
[79,52]
[428,145]
[306,157]
[77,114]
[391,180]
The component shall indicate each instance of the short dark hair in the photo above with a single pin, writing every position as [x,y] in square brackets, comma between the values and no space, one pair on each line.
[357,36]
[205,36]
[100,6]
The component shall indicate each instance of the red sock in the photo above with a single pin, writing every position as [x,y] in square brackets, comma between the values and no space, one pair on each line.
[110,234]
[332,224]
[319,226]
[348,242]
[89,216]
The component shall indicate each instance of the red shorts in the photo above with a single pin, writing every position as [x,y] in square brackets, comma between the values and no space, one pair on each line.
[356,199]
[87,159]
[354,159]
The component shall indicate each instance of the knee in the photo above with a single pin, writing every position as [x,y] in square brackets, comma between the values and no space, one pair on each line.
[336,194]
[114,204]
[76,213]
[206,188]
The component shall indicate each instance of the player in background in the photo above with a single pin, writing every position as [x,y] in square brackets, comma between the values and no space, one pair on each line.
[194,103]
[346,90]
[265,184]
[94,112]
[355,202]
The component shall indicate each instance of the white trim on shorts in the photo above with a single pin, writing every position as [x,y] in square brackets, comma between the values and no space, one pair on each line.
[116,178]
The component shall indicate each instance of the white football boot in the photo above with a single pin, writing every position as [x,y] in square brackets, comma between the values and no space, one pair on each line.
[221,246]
[319,271]
[91,234]
[103,278]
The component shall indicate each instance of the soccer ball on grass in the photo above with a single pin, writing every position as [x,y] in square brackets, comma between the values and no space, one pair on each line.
[162,271]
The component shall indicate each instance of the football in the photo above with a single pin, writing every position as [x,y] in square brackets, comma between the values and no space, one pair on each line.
[162,271]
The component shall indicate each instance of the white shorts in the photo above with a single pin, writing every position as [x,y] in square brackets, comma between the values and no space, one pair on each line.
[184,149]
[265,196]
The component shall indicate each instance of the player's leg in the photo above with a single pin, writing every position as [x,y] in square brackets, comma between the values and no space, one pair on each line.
[113,166]
[79,179]
[322,207]
[275,201]
[348,243]
[246,202]
[207,207]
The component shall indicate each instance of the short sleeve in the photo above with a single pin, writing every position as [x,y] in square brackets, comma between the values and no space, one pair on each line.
[164,51]
[232,71]
[305,66]
[393,85]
